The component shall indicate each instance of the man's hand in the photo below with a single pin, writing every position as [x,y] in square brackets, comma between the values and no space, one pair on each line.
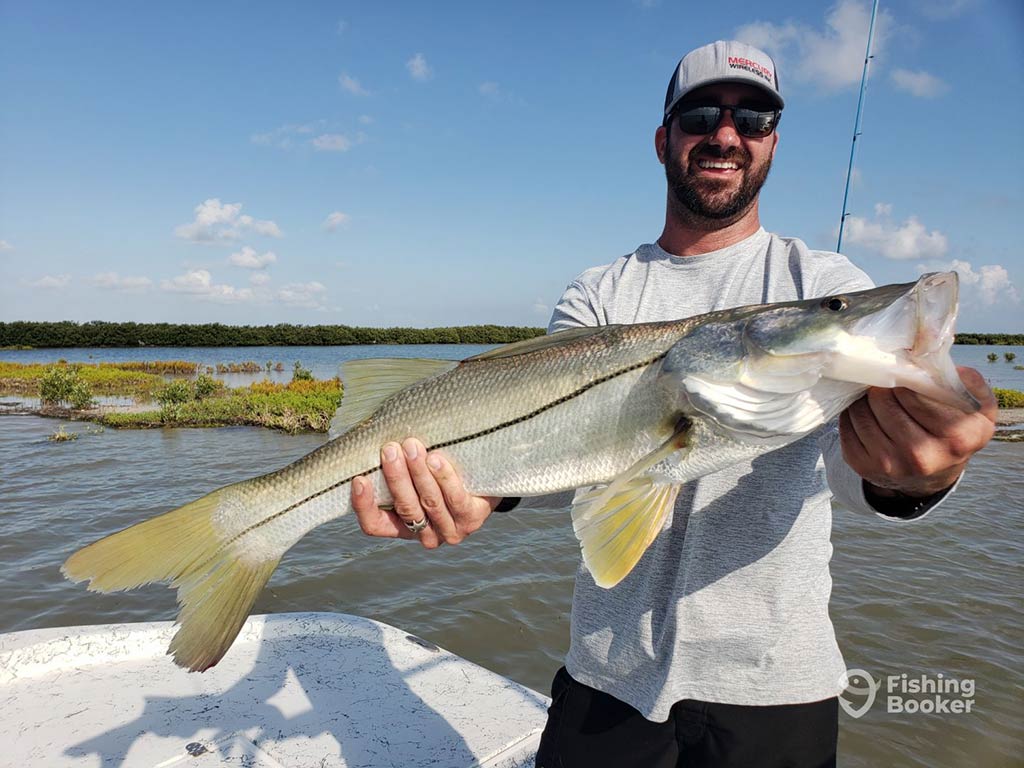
[900,441]
[422,486]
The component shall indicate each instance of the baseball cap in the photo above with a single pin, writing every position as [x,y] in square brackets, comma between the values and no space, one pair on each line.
[724,61]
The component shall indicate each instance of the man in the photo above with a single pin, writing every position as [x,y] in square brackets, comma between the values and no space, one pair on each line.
[717,649]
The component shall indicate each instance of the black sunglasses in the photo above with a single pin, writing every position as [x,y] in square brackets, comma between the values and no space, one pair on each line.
[700,120]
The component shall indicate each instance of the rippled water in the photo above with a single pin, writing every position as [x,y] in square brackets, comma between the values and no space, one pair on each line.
[942,596]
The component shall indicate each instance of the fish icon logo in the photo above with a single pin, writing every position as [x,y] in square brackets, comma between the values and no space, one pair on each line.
[851,682]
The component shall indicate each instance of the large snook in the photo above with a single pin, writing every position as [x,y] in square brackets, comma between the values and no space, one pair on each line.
[633,409]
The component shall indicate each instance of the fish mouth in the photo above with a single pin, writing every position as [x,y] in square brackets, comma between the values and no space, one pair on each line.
[916,330]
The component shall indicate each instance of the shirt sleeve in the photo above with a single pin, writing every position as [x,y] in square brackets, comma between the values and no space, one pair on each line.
[576,309]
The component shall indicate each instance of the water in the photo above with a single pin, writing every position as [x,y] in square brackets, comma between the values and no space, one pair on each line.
[938,596]
[323,361]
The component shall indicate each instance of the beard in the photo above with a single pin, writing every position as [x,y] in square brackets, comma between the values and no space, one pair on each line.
[715,199]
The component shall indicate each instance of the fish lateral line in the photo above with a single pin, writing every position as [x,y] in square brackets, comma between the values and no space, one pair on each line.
[464,439]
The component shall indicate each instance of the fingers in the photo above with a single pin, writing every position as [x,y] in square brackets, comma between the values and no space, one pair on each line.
[422,487]
[372,519]
[430,496]
[395,465]
[467,512]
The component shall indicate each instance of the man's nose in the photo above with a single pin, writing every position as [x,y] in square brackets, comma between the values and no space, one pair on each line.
[725,134]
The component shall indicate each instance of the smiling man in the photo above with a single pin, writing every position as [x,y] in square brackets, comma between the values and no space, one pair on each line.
[717,649]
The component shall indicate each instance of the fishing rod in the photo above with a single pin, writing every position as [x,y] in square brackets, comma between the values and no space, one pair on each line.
[856,123]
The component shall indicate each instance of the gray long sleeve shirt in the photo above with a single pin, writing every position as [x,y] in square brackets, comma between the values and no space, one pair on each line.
[730,602]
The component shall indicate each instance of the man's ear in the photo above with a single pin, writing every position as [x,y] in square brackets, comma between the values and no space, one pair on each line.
[775,143]
[660,141]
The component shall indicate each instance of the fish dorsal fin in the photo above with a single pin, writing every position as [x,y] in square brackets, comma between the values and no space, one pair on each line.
[540,342]
[616,524]
[368,383]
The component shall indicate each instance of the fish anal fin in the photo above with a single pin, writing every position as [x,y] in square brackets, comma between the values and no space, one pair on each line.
[368,383]
[615,536]
[616,525]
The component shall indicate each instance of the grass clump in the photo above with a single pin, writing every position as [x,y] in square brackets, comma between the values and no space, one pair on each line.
[63,384]
[299,406]
[1009,398]
[60,436]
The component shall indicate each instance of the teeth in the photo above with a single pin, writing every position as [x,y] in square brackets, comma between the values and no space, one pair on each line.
[717,164]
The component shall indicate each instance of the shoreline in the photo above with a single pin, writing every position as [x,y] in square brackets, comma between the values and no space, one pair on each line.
[1008,420]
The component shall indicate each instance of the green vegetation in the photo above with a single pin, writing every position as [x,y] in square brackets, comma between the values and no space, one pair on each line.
[1010,356]
[60,436]
[101,378]
[299,406]
[63,384]
[1009,398]
[100,334]
[1013,339]
[301,374]
[992,357]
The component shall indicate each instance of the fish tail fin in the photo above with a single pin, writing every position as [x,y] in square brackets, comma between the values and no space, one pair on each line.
[217,585]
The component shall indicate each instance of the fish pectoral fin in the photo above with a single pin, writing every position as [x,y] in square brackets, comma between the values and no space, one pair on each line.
[615,525]
[368,383]
[752,410]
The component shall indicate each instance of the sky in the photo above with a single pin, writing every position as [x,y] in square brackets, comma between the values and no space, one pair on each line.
[434,164]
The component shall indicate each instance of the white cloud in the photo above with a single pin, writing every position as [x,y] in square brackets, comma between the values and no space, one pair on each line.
[488,88]
[115,282]
[259,278]
[335,220]
[991,282]
[540,308]
[352,85]
[832,57]
[199,283]
[220,222]
[310,295]
[284,137]
[909,240]
[332,142]
[342,26]
[365,119]
[51,282]
[5,246]
[249,259]
[418,68]
[919,83]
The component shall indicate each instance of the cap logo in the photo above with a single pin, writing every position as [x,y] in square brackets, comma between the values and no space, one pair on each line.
[738,62]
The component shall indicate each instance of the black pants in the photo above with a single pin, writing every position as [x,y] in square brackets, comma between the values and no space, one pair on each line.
[589,728]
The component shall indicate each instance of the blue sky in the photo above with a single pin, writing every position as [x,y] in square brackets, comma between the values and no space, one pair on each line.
[432,164]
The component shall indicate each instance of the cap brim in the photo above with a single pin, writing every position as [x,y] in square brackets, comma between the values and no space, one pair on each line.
[771,93]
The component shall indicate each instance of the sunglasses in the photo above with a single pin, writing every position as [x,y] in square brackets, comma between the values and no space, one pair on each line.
[704,119]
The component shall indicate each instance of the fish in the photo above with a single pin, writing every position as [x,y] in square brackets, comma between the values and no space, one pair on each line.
[626,413]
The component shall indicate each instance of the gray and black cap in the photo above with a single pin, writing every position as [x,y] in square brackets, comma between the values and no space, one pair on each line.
[724,61]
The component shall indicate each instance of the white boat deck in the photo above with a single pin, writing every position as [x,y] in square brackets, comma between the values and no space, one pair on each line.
[317,690]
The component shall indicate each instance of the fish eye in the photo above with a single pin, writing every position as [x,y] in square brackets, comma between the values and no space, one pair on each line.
[835,303]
